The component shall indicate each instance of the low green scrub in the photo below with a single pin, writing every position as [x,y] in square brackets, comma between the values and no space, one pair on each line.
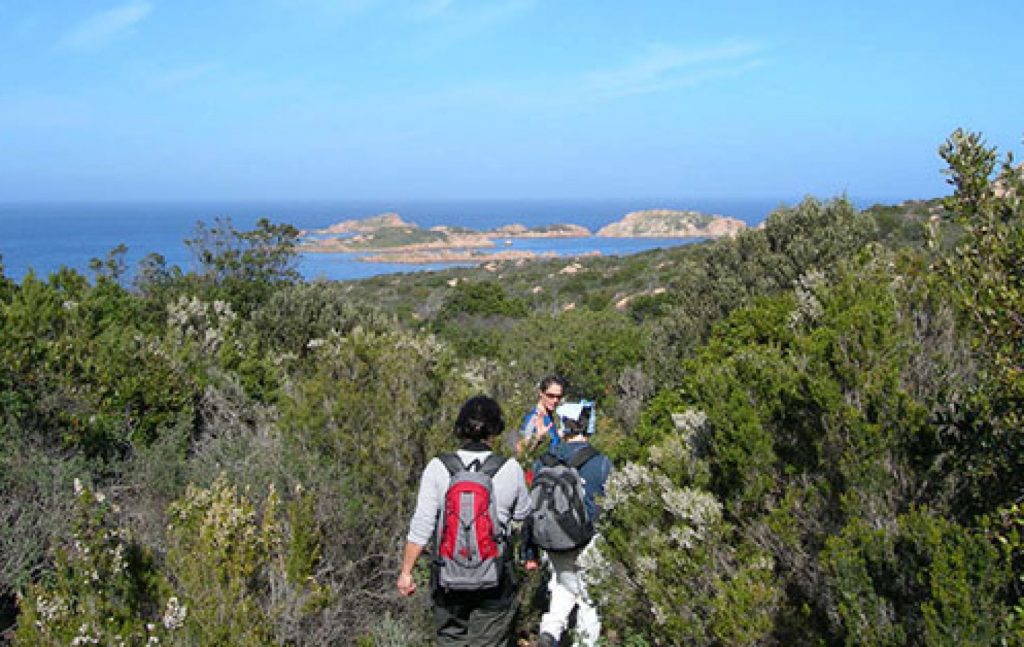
[815,427]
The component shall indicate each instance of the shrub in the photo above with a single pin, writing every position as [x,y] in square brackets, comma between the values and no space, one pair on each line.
[485,299]
[104,588]
[231,561]
[986,285]
[666,569]
[925,582]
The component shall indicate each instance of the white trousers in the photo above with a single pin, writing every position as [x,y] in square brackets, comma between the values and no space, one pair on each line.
[568,590]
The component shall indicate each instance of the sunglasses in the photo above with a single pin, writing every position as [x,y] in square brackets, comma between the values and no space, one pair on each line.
[554,396]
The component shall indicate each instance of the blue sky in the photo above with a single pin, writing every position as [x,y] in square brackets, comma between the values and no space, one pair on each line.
[450,99]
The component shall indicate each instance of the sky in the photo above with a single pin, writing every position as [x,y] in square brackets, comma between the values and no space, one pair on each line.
[498,99]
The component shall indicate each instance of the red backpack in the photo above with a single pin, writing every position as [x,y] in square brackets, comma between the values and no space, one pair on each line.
[470,541]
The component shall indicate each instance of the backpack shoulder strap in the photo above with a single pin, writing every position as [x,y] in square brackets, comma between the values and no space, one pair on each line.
[582,456]
[547,459]
[493,463]
[453,463]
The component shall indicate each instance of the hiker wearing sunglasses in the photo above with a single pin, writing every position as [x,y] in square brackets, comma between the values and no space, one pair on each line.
[540,425]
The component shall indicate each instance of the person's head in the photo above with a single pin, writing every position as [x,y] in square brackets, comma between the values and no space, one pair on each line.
[479,419]
[550,391]
[578,418]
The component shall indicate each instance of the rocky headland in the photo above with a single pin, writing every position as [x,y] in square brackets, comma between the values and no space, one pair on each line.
[670,223]
[366,225]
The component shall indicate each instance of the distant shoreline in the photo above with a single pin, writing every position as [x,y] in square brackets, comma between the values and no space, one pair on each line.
[388,238]
[43,236]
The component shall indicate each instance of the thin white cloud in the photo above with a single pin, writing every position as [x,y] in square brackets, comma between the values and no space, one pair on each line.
[665,67]
[658,69]
[101,28]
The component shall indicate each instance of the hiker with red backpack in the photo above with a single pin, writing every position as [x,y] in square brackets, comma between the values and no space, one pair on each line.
[568,480]
[467,502]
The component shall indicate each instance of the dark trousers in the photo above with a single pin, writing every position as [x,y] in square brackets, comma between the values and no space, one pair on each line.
[477,618]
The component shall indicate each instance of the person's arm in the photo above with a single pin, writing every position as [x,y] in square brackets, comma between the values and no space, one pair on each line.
[521,447]
[406,585]
[531,559]
[421,527]
[599,491]
[522,506]
[521,509]
[530,433]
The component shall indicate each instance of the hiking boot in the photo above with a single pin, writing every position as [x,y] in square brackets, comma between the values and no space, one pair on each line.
[547,640]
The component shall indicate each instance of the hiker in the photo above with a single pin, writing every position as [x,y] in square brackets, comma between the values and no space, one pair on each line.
[472,584]
[540,424]
[566,542]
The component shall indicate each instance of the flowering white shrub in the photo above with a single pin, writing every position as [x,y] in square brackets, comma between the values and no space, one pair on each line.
[174,614]
[202,323]
[664,572]
[103,588]
[227,551]
[808,308]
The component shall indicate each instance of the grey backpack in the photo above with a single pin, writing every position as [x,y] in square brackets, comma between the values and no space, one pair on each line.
[559,519]
[470,542]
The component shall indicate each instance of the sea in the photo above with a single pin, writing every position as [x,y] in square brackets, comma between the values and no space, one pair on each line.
[43,237]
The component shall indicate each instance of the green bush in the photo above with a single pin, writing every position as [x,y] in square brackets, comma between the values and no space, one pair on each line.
[925,582]
[104,588]
[667,569]
[230,561]
[243,267]
[485,299]
[986,285]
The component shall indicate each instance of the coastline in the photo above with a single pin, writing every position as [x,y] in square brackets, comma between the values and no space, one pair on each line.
[43,236]
[387,238]
[453,256]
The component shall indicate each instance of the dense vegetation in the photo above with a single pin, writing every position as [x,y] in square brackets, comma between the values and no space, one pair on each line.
[815,426]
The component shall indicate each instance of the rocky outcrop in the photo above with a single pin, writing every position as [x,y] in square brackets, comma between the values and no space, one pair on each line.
[670,223]
[366,225]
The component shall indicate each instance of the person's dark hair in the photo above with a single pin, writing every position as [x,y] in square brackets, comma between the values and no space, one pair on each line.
[480,418]
[548,380]
[579,426]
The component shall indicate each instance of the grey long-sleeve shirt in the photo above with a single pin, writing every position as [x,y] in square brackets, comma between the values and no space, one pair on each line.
[511,496]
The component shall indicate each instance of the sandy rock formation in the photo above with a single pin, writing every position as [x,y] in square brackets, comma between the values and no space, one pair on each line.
[366,225]
[671,223]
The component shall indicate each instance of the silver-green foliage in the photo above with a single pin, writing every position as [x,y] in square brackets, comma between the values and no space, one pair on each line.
[668,569]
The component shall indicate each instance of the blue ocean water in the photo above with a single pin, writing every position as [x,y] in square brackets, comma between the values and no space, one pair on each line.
[45,236]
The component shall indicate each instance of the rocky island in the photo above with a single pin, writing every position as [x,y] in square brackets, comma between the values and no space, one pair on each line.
[387,238]
[366,225]
[670,223]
